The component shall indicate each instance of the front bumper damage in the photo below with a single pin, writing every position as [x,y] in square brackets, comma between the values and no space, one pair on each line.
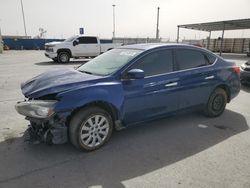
[49,131]
[45,125]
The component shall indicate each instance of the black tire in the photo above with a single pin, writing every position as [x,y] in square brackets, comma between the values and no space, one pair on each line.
[80,121]
[63,57]
[55,59]
[216,103]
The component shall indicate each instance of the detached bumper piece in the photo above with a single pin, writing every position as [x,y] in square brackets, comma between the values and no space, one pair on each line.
[47,132]
[245,77]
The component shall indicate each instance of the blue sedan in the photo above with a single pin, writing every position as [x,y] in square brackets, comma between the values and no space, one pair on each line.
[124,87]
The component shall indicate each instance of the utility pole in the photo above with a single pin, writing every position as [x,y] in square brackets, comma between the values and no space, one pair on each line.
[113,21]
[1,42]
[157,25]
[23,19]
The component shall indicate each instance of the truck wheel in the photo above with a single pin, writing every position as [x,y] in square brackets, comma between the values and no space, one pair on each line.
[90,128]
[55,59]
[63,57]
[216,103]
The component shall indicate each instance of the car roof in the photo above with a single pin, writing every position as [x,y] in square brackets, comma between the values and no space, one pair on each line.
[148,46]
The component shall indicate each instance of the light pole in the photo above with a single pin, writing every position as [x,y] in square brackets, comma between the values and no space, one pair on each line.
[23,19]
[113,21]
[1,41]
[157,24]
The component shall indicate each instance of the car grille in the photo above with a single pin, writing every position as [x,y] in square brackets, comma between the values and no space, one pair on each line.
[48,49]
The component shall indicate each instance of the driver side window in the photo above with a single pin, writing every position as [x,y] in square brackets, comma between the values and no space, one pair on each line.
[155,63]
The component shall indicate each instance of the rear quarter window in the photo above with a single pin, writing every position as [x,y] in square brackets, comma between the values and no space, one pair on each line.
[209,58]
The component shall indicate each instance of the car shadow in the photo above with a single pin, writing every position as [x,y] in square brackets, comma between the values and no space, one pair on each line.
[47,63]
[130,153]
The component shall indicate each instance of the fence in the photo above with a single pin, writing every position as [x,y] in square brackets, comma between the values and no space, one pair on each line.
[126,41]
[229,45]
[27,44]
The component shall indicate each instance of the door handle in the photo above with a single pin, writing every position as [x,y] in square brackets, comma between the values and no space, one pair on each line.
[209,77]
[171,84]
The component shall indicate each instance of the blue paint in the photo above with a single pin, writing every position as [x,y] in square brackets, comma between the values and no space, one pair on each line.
[27,44]
[136,100]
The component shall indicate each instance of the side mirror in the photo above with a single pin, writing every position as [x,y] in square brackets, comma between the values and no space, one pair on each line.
[135,74]
[75,42]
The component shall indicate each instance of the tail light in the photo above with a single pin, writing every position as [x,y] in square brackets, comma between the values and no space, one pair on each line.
[236,69]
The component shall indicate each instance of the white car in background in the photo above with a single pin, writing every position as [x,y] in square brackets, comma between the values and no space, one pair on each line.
[76,47]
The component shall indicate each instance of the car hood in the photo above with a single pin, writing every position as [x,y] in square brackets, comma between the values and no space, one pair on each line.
[55,81]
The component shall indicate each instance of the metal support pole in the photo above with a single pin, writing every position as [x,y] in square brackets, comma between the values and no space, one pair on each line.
[157,24]
[23,19]
[113,21]
[1,42]
[208,42]
[178,32]
[222,37]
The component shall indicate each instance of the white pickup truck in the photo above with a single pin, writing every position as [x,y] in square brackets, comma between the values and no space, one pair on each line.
[76,47]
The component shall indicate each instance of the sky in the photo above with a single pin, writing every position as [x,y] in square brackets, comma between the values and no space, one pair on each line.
[133,18]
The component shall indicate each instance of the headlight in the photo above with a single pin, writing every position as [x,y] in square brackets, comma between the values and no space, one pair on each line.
[36,108]
[49,49]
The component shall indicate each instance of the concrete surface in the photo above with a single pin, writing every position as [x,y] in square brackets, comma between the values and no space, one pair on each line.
[183,151]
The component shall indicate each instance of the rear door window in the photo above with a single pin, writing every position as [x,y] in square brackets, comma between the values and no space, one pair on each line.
[187,59]
[87,40]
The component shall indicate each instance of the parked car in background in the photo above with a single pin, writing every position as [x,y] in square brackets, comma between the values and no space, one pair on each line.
[78,46]
[245,73]
[123,87]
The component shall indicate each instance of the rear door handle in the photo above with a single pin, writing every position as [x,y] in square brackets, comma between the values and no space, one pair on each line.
[171,84]
[209,77]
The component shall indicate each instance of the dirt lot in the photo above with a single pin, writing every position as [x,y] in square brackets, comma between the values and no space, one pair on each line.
[183,151]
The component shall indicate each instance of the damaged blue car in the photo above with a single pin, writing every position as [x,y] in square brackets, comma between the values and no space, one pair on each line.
[124,87]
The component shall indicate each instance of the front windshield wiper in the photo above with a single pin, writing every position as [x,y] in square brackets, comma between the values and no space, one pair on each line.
[86,72]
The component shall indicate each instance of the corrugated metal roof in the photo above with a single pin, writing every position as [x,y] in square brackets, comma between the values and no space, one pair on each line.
[220,25]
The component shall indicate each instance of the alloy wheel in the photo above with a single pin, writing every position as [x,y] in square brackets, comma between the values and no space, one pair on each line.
[94,130]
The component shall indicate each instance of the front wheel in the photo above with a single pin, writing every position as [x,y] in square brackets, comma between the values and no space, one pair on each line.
[63,57]
[216,103]
[90,128]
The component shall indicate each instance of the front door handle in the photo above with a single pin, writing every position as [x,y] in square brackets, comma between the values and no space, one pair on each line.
[171,84]
[209,77]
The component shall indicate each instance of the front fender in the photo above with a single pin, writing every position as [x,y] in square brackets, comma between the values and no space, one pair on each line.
[105,92]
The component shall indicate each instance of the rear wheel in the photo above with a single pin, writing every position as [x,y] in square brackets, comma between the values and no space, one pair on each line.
[63,57]
[216,103]
[90,128]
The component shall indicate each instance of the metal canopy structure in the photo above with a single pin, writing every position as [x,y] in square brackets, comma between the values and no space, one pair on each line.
[217,26]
